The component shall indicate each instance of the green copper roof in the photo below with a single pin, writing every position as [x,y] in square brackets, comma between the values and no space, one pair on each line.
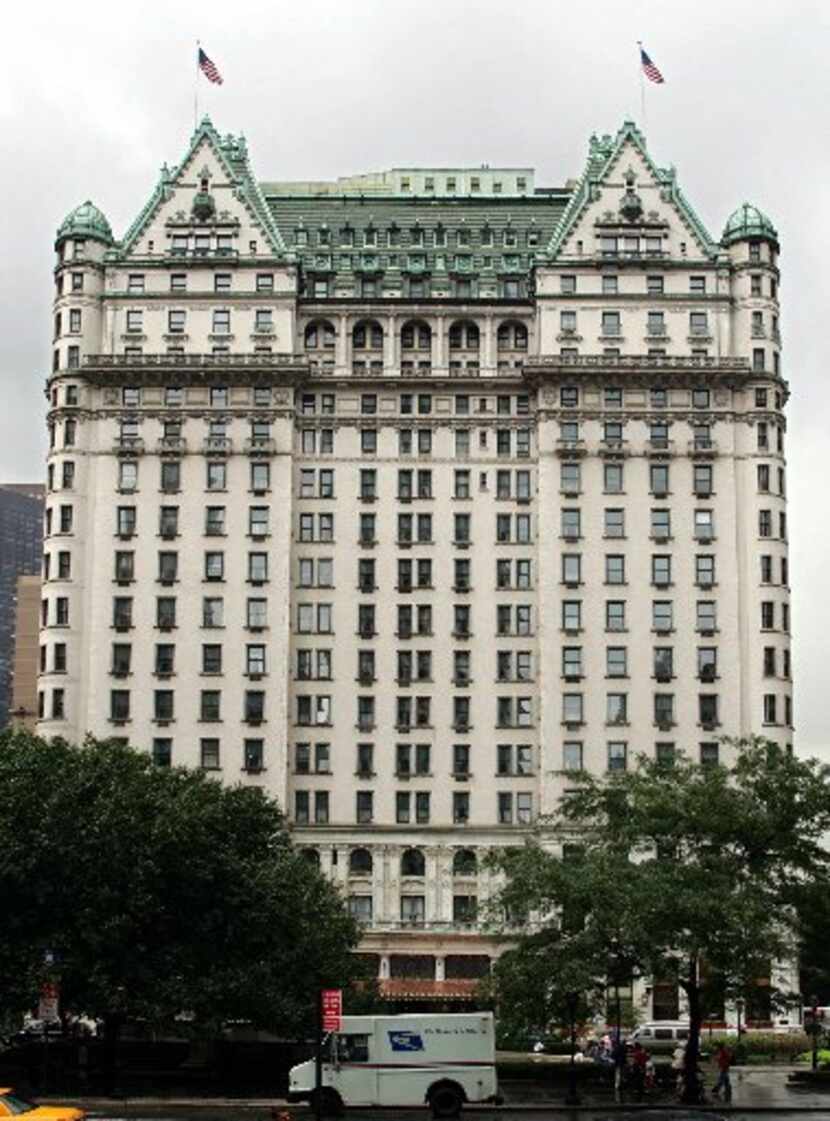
[748,222]
[345,235]
[86,220]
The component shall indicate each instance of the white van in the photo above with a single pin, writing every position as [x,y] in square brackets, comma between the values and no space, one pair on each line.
[661,1035]
[404,1061]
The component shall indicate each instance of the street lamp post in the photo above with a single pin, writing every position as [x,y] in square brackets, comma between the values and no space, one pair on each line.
[739,1007]
[572,1098]
[814,1003]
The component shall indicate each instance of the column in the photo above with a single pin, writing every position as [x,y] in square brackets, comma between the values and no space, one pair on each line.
[487,362]
[439,343]
[390,348]
[341,345]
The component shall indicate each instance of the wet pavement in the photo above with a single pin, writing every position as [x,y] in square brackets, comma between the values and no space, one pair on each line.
[757,1093]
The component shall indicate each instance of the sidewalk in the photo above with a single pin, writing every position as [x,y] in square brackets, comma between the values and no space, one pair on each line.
[755,1090]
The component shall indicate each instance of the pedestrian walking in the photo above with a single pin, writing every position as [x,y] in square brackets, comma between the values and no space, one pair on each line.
[639,1060]
[678,1062]
[619,1057]
[724,1058]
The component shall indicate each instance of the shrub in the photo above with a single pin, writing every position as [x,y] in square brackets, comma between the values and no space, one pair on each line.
[760,1046]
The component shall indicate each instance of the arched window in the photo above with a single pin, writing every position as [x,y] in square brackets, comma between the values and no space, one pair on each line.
[512,336]
[319,335]
[367,335]
[464,335]
[360,862]
[312,856]
[412,863]
[416,335]
[464,863]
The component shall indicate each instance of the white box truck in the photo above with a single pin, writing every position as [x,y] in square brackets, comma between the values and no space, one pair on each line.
[404,1060]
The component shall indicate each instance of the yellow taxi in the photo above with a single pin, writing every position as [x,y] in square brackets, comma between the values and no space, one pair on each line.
[13,1106]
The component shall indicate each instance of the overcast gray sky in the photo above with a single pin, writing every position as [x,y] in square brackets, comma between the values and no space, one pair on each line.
[95,96]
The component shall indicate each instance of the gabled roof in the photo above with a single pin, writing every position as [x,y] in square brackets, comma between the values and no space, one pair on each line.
[232,153]
[603,153]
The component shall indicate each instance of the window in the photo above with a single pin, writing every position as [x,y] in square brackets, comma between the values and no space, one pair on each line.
[664,710]
[571,569]
[654,287]
[570,524]
[616,661]
[662,616]
[610,323]
[572,663]
[702,480]
[706,616]
[614,523]
[572,708]
[661,570]
[616,708]
[663,663]
[707,662]
[705,570]
[708,710]
[614,569]
[612,478]
[698,323]
[221,324]
[617,756]
[253,752]
[709,754]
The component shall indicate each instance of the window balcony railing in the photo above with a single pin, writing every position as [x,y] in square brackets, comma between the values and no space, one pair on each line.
[703,446]
[261,445]
[133,444]
[217,444]
[172,444]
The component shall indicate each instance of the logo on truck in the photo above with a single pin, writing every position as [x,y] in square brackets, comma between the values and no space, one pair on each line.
[406,1041]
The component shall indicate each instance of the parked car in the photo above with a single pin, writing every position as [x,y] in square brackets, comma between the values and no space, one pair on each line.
[661,1035]
[34,1029]
[13,1106]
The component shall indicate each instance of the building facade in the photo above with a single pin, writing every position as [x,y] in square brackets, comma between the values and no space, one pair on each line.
[21,552]
[26,662]
[407,496]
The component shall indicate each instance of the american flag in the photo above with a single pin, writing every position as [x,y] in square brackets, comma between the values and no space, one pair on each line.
[649,69]
[211,73]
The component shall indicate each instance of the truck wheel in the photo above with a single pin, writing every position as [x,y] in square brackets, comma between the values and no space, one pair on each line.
[331,1104]
[445,1101]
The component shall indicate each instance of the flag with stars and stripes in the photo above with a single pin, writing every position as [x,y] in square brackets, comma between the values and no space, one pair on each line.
[210,71]
[649,69]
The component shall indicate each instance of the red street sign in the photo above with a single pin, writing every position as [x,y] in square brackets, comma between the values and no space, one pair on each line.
[332,1005]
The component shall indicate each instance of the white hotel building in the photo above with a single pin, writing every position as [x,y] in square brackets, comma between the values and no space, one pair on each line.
[405,496]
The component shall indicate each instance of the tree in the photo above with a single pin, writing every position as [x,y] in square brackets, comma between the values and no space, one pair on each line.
[682,872]
[158,891]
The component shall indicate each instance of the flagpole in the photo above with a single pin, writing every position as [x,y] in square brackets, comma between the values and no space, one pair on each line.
[196,89]
[642,87]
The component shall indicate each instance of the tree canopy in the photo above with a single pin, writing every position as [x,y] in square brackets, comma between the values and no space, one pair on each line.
[158,891]
[689,874]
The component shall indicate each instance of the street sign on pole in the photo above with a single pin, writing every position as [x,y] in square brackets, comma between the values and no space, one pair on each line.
[332,1006]
[47,1008]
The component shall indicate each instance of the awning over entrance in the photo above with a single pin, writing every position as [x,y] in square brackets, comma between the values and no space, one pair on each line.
[402,988]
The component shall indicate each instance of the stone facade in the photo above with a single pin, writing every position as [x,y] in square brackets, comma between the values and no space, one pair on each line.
[404,496]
